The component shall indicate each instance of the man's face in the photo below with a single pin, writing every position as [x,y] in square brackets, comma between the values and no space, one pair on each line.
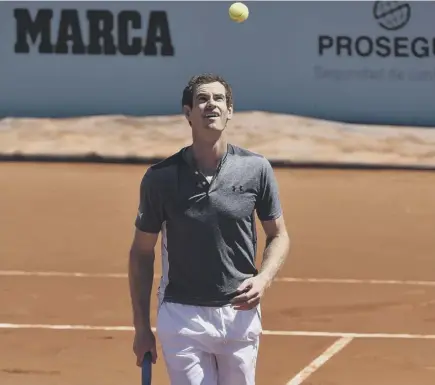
[209,112]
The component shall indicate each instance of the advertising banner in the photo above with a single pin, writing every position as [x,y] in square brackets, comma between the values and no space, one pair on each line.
[362,62]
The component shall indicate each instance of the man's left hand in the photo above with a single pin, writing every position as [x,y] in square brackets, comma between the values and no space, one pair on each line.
[249,293]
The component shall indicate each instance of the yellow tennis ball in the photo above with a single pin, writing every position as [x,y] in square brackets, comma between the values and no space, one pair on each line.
[239,12]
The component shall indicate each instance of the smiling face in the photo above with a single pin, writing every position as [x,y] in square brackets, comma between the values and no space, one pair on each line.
[210,109]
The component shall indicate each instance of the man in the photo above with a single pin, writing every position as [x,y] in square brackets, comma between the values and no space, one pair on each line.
[203,200]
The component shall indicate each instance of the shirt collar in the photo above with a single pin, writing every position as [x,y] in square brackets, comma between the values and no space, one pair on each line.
[187,156]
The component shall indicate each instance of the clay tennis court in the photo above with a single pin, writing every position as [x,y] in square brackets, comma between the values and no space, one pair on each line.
[362,262]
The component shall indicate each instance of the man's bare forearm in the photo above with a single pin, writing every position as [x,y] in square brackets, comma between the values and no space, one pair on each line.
[141,275]
[274,256]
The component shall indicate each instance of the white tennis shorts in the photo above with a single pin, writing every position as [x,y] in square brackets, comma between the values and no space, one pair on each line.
[209,345]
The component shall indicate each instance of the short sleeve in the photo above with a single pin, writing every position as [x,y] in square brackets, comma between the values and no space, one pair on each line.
[268,204]
[150,212]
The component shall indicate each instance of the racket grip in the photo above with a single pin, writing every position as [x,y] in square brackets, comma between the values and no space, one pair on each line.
[146,369]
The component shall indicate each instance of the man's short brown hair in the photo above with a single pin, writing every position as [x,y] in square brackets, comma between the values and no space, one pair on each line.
[195,81]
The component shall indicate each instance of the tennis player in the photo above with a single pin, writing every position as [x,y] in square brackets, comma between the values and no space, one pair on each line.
[203,200]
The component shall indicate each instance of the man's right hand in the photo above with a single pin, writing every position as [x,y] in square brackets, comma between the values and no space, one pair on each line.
[144,341]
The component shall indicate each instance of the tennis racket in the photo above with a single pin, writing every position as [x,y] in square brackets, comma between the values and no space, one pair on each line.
[147,369]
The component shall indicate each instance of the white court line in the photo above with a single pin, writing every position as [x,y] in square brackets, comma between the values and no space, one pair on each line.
[279,279]
[352,335]
[357,281]
[20,273]
[68,327]
[265,332]
[320,360]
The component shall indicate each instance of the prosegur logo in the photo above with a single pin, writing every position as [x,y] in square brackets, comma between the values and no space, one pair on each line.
[391,16]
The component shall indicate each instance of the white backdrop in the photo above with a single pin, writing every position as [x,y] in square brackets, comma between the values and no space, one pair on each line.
[353,61]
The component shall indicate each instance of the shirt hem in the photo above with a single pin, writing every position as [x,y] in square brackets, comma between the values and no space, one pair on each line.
[199,302]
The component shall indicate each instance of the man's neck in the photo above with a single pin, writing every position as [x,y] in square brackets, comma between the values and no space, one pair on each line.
[208,154]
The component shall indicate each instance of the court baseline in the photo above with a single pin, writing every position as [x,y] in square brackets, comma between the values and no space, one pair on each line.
[265,332]
[278,279]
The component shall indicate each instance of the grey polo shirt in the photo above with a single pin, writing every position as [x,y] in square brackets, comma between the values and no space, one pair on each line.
[209,234]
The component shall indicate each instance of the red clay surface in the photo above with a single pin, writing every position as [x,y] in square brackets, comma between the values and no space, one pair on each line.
[344,224]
